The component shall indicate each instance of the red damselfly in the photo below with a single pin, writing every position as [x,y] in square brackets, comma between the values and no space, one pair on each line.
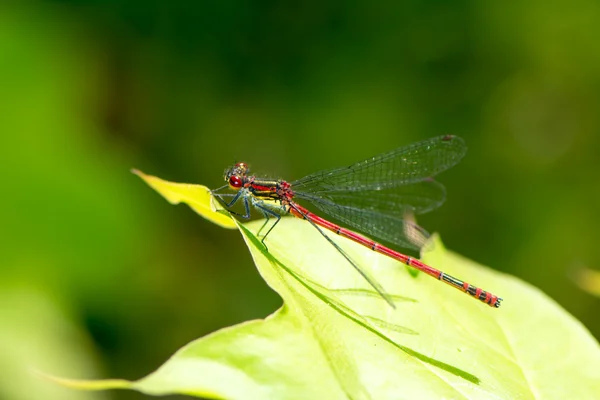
[373,196]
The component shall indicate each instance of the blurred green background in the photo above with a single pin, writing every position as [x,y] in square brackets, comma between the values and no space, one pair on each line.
[100,277]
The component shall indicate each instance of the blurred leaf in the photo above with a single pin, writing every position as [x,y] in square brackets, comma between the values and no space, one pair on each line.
[37,334]
[588,280]
[335,338]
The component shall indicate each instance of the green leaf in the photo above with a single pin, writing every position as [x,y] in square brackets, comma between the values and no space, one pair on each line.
[335,338]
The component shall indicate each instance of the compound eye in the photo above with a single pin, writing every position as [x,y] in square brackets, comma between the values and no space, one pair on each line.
[235,182]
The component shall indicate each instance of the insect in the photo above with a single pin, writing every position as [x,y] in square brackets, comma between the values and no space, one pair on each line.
[372,196]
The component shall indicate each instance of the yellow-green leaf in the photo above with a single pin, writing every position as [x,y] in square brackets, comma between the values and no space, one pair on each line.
[198,197]
[335,338]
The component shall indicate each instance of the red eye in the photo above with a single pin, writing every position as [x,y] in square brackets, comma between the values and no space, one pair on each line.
[235,182]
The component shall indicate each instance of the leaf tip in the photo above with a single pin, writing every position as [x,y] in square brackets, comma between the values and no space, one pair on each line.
[83,384]
[137,172]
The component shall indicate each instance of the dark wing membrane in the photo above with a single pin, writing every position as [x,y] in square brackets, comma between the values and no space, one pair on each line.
[389,228]
[404,165]
[416,198]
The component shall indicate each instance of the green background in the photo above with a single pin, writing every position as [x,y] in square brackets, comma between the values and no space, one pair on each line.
[100,277]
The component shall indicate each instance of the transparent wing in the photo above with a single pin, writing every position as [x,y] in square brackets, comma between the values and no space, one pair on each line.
[404,165]
[415,198]
[376,221]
